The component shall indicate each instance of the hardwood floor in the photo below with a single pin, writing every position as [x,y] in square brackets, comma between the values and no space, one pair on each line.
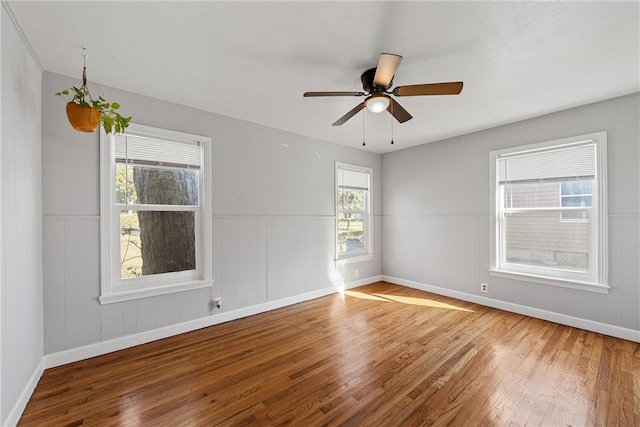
[381,355]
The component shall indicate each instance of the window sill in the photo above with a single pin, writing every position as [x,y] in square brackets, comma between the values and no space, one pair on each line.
[358,258]
[552,281]
[152,292]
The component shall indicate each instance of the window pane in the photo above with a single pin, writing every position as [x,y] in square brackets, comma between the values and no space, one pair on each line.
[350,199]
[531,195]
[156,186]
[125,190]
[350,233]
[543,240]
[576,201]
[153,242]
[569,188]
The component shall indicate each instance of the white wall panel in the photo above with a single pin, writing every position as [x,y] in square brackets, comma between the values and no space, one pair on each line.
[129,317]
[312,252]
[111,321]
[247,261]
[82,281]
[216,253]
[229,271]
[287,286]
[300,246]
[414,235]
[205,296]
[630,273]
[484,251]
[550,298]
[261,285]
[276,259]
[393,237]
[467,253]
[582,304]
[21,243]
[168,309]
[189,305]
[500,289]
[53,264]
[145,314]
[324,265]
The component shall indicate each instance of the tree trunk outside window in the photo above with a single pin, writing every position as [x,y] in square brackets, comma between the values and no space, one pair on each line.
[167,238]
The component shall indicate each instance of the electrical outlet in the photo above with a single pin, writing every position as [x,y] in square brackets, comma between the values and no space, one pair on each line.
[484,287]
[357,273]
[217,303]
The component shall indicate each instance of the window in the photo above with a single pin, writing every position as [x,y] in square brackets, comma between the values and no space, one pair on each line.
[353,213]
[549,212]
[155,213]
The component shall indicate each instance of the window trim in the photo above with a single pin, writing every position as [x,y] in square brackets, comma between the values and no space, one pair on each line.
[112,288]
[367,253]
[599,282]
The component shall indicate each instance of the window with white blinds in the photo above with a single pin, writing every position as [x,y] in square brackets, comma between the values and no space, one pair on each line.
[549,212]
[353,212]
[155,213]
[147,150]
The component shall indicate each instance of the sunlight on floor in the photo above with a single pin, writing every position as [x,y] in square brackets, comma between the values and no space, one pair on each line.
[425,302]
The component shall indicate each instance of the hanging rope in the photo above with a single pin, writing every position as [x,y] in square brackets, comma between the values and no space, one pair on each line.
[84,67]
[126,172]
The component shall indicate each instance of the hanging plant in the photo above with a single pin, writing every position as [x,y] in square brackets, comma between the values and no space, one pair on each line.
[86,113]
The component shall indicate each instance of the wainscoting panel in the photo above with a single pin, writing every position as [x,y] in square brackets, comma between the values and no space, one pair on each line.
[82,282]
[256,260]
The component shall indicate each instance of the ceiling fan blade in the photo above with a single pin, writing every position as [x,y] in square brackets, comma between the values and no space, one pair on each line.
[350,114]
[398,111]
[387,65]
[451,88]
[310,94]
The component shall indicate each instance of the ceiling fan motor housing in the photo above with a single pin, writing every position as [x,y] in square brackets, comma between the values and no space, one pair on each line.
[367,82]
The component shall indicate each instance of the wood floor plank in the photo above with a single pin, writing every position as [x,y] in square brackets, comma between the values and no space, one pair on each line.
[378,355]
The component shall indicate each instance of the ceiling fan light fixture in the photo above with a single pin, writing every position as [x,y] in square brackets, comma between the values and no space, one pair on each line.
[377,104]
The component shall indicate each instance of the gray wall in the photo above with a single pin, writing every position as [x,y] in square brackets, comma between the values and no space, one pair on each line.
[273,219]
[20,218]
[435,223]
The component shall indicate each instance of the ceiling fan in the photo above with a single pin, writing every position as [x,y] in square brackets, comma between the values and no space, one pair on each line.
[377,82]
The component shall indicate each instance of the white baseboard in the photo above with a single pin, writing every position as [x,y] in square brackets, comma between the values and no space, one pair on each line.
[17,410]
[563,319]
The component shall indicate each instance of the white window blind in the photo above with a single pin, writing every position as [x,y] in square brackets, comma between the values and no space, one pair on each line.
[577,161]
[352,179]
[148,151]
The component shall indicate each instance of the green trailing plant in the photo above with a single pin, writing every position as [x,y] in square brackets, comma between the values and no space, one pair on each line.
[110,118]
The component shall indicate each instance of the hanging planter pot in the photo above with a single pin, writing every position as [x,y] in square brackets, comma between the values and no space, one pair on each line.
[85,113]
[83,119]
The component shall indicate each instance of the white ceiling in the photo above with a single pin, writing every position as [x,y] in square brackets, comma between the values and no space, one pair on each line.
[254,60]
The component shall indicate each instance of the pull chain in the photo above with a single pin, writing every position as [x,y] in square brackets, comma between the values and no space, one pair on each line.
[363,143]
[392,116]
